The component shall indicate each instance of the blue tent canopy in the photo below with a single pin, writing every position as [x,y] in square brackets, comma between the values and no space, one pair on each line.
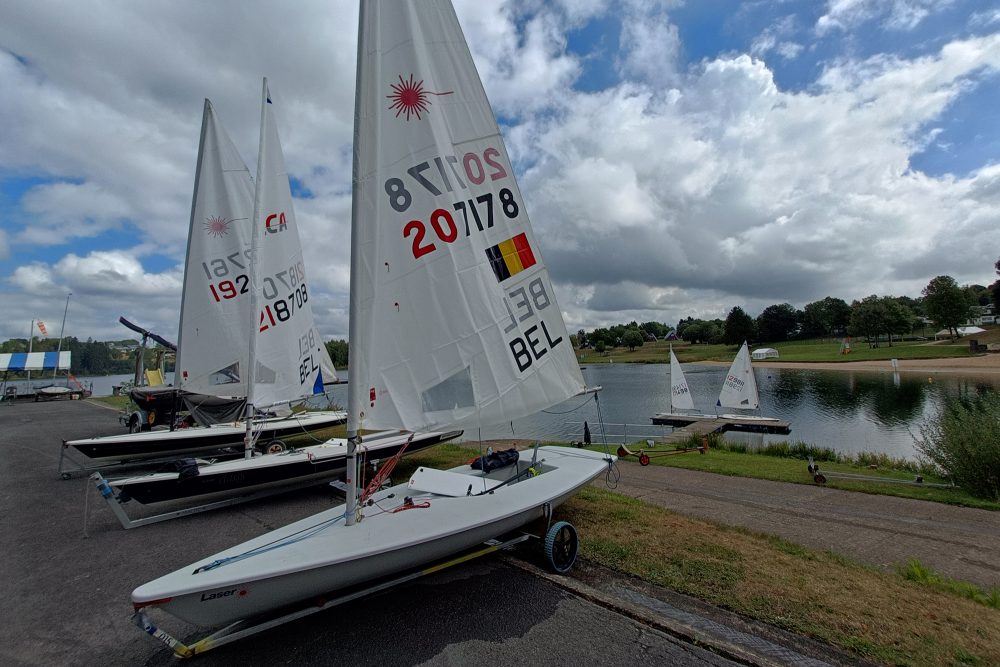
[34,361]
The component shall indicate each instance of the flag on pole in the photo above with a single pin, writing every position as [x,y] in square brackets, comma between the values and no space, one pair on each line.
[41,327]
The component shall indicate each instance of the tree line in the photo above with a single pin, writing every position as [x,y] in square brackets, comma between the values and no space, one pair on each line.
[875,318]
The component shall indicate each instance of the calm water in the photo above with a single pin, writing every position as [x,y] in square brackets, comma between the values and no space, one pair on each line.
[850,411]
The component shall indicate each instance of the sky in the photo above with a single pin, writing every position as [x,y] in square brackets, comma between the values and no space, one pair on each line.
[676,158]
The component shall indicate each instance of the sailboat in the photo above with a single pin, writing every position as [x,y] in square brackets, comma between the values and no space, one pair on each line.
[216,315]
[282,369]
[739,390]
[453,322]
[680,397]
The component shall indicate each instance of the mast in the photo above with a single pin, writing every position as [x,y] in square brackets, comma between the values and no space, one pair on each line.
[254,281]
[354,388]
[62,330]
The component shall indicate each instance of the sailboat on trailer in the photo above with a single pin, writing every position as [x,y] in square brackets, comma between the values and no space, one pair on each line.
[453,322]
[216,314]
[282,368]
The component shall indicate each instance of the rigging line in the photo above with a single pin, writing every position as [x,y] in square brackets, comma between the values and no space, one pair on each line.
[613,475]
[566,412]
[301,535]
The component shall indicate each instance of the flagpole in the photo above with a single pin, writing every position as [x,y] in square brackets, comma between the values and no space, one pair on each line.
[62,329]
[31,335]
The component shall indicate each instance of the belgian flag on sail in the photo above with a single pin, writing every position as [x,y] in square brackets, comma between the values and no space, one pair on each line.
[510,257]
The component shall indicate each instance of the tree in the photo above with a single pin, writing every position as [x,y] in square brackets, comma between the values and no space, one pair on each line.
[338,350]
[898,318]
[777,322]
[868,319]
[581,338]
[995,290]
[828,317]
[632,338]
[739,327]
[946,303]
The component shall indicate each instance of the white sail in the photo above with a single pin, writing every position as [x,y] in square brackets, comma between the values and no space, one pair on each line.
[215,305]
[453,317]
[292,360]
[680,395]
[740,388]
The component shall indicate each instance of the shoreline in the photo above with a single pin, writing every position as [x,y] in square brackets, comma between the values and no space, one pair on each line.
[987,364]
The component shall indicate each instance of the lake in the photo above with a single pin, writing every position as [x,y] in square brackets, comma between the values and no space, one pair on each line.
[849,411]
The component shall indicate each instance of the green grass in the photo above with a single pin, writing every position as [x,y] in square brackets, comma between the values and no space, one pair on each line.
[880,616]
[816,350]
[915,571]
[785,463]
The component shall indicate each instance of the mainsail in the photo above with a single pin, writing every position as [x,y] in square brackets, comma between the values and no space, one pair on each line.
[453,316]
[680,395]
[214,340]
[740,388]
[215,305]
[292,360]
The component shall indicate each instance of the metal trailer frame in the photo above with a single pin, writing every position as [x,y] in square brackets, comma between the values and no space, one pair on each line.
[820,478]
[118,509]
[251,626]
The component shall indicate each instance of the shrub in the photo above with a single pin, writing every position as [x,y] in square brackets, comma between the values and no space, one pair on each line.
[964,442]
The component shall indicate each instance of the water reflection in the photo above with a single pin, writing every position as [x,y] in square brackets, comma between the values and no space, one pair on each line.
[850,411]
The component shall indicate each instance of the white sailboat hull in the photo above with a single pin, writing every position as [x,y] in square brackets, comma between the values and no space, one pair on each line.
[320,555]
[156,444]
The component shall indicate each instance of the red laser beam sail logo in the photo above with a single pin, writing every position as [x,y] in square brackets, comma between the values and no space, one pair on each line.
[217,226]
[409,97]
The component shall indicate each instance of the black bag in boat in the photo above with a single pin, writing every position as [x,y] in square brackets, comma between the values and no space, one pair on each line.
[495,460]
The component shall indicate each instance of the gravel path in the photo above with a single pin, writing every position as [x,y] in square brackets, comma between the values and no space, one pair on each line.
[960,542]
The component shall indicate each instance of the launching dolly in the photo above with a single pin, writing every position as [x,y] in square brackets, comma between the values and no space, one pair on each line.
[560,543]
[820,477]
[645,457]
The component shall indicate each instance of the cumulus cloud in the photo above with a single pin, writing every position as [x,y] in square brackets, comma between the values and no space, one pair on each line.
[893,15]
[682,189]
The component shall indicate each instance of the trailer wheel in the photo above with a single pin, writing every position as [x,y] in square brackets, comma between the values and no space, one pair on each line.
[561,547]
[644,459]
[133,424]
[819,478]
[274,447]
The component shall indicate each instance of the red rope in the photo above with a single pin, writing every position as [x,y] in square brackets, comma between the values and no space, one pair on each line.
[384,472]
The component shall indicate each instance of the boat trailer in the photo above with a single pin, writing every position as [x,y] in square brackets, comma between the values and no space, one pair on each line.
[644,456]
[820,477]
[560,546]
[127,522]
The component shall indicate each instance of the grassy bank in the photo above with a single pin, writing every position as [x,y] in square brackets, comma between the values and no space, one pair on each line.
[884,617]
[819,350]
[785,462]
[911,617]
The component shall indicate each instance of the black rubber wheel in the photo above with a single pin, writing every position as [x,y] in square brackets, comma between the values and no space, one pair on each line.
[644,459]
[819,478]
[561,547]
[274,447]
[133,424]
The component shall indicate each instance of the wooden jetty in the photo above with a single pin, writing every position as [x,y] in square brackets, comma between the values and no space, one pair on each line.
[698,425]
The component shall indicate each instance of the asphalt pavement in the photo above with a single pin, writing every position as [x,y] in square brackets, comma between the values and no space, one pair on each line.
[69,568]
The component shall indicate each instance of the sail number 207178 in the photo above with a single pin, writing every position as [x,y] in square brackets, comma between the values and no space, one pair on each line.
[443,174]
